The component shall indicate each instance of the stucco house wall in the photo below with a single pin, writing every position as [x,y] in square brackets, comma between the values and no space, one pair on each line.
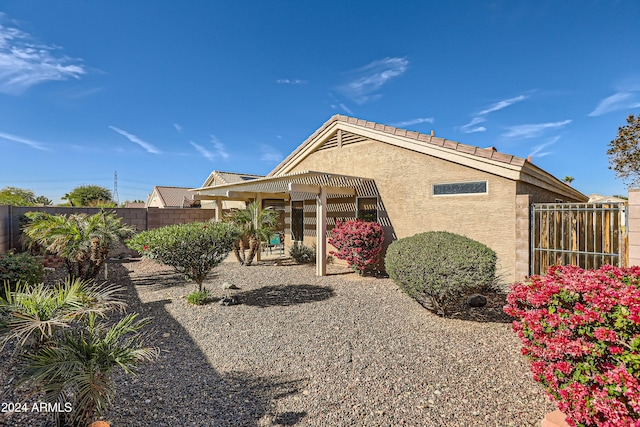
[403,179]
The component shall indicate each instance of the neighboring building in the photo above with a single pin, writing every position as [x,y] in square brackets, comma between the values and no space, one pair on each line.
[221,178]
[134,204]
[171,197]
[599,198]
[409,182]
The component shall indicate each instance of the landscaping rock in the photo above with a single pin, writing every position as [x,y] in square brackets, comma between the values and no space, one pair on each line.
[477,300]
[227,285]
[226,301]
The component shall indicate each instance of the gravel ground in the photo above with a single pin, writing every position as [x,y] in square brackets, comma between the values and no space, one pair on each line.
[302,350]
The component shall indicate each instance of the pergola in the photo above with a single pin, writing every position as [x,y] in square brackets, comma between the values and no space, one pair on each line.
[295,185]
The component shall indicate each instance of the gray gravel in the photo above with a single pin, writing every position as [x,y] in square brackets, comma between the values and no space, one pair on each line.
[302,350]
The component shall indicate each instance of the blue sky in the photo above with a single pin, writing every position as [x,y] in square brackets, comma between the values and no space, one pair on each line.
[164,92]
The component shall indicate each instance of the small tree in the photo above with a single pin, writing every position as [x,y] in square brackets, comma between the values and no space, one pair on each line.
[624,151]
[568,179]
[89,195]
[192,249]
[358,242]
[257,225]
[17,197]
[83,241]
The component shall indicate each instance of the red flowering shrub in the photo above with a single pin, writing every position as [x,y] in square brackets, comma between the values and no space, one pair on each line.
[358,242]
[581,333]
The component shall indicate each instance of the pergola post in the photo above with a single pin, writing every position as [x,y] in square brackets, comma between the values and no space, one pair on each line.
[258,202]
[321,232]
[218,209]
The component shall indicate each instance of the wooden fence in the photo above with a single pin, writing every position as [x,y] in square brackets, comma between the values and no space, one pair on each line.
[585,234]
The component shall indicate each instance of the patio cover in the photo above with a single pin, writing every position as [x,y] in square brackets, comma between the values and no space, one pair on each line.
[320,184]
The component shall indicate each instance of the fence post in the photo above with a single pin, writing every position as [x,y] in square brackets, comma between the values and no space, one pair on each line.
[633,218]
[523,236]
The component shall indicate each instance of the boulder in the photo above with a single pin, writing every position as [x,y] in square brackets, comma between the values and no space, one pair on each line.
[477,300]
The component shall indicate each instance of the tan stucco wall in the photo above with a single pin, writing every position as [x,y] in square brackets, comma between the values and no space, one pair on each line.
[404,178]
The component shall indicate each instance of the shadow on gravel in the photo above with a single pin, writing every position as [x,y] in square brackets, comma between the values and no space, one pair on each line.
[181,388]
[492,312]
[283,295]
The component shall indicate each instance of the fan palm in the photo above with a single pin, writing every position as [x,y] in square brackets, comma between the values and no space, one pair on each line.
[83,241]
[33,313]
[78,367]
[256,224]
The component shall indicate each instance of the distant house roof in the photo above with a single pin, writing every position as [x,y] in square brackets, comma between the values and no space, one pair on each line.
[599,198]
[134,205]
[219,177]
[170,197]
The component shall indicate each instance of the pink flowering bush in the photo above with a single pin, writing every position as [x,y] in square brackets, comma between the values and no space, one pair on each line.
[581,333]
[358,242]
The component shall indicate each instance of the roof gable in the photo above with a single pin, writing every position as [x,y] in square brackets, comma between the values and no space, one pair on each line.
[173,196]
[341,130]
[219,178]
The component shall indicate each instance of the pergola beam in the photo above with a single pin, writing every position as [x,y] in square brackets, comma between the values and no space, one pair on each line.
[315,189]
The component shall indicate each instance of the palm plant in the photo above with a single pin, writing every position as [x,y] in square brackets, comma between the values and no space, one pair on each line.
[256,224]
[83,241]
[77,369]
[32,314]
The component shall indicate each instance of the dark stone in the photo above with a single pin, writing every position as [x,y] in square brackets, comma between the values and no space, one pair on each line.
[477,300]
[226,301]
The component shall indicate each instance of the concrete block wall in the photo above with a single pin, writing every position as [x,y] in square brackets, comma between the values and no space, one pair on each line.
[633,219]
[141,218]
[523,236]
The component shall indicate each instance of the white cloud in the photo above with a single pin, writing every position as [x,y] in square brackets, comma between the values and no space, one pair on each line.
[537,150]
[31,143]
[413,122]
[617,101]
[269,154]
[532,130]
[291,81]
[471,126]
[178,127]
[203,151]
[24,63]
[220,148]
[148,147]
[481,116]
[366,81]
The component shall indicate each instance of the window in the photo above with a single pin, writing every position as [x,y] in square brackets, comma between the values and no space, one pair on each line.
[367,209]
[297,221]
[476,187]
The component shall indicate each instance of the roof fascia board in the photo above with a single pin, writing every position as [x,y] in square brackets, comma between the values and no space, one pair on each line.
[534,175]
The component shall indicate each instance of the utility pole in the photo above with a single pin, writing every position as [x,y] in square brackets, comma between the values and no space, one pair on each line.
[115,188]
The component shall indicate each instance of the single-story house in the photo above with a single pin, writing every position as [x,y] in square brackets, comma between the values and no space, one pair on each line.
[171,197]
[409,182]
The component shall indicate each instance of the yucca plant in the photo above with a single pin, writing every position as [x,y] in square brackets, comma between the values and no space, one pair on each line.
[77,368]
[33,313]
[256,224]
[83,241]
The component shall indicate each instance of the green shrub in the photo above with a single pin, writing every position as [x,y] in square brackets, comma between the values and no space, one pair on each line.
[192,249]
[439,268]
[302,254]
[16,268]
[198,297]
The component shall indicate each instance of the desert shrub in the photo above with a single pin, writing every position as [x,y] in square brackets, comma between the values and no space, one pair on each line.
[580,331]
[439,268]
[198,297]
[83,241]
[192,249]
[358,242]
[302,254]
[16,268]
